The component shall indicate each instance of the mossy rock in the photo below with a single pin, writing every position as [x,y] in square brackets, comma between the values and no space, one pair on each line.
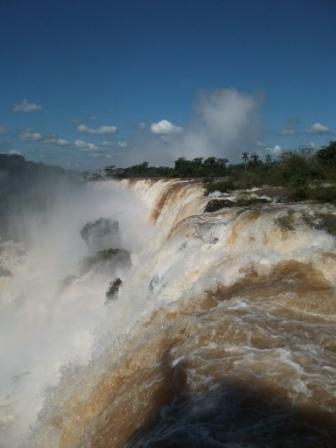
[113,289]
[217,204]
[107,259]
[245,202]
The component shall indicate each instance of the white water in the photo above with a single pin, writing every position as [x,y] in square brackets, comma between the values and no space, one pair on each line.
[59,346]
[46,327]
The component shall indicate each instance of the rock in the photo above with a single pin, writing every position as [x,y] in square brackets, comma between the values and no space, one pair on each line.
[322,221]
[245,202]
[101,234]
[113,288]
[107,260]
[286,222]
[217,204]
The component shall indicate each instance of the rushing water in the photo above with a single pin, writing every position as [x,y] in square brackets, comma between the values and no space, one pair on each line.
[221,335]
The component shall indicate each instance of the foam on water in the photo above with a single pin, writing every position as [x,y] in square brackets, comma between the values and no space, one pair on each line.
[213,301]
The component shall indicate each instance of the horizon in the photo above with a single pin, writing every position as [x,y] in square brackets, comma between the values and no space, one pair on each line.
[304,152]
[86,85]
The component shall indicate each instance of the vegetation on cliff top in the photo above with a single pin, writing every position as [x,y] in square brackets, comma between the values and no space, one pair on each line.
[303,174]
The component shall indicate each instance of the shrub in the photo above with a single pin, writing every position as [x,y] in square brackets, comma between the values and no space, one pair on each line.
[298,188]
[222,187]
[327,155]
[323,194]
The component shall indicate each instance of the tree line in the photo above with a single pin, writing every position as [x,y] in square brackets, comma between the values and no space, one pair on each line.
[303,172]
[303,161]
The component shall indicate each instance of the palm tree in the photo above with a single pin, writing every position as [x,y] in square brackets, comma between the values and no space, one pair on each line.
[255,158]
[245,156]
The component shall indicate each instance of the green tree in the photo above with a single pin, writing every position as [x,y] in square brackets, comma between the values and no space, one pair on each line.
[254,158]
[245,157]
[327,155]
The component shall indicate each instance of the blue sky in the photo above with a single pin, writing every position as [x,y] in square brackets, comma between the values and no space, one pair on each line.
[90,83]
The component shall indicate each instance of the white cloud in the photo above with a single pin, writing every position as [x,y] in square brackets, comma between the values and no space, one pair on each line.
[85,146]
[56,141]
[78,144]
[268,149]
[26,106]
[61,142]
[49,140]
[31,136]
[3,130]
[119,144]
[318,128]
[100,131]
[274,150]
[164,127]
[288,131]
[107,143]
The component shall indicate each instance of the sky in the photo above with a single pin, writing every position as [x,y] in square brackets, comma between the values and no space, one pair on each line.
[85,84]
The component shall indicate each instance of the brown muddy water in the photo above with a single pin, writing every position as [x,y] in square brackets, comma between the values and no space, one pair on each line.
[222,335]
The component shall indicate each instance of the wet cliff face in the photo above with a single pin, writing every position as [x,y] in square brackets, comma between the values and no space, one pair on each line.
[222,333]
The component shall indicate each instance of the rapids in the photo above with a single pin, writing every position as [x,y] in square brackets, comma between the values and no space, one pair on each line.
[221,335]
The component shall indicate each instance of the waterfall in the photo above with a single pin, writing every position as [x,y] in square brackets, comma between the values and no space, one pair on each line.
[221,333]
